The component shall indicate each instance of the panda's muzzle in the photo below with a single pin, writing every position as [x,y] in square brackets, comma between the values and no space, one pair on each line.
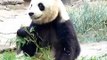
[31,13]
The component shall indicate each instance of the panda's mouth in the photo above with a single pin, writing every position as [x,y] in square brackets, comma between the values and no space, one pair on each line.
[33,17]
[37,17]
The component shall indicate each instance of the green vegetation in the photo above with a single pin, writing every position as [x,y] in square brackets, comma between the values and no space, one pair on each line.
[90,21]
[8,56]
[46,55]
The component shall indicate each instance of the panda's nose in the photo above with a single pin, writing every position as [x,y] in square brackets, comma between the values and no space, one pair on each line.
[31,13]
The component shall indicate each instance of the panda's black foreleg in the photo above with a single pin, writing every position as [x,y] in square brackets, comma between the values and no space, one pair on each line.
[67,46]
[29,48]
[22,32]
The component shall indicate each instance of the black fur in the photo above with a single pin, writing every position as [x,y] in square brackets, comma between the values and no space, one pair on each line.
[60,36]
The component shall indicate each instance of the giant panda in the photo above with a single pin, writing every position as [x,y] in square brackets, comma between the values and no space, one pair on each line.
[53,28]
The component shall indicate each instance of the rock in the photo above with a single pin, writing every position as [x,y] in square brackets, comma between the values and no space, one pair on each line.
[11,2]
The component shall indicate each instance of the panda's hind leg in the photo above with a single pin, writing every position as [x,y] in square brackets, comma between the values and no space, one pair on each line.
[67,45]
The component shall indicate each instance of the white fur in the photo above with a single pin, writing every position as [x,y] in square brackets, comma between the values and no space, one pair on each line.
[34,8]
[46,16]
[52,7]
[63,12]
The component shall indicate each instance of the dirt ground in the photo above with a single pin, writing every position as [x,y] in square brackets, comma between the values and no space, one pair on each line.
[12,17]
[94,49]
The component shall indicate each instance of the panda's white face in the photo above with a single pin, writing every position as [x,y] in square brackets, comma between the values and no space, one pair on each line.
[43,11]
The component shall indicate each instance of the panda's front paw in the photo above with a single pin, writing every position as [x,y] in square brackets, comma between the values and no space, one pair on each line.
[22,32]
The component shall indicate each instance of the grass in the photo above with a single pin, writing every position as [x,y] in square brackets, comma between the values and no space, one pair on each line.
[45,56]
[8,56]
[90,21]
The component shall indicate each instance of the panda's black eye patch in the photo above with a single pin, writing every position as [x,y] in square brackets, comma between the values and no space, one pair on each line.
[31,5]
[41,6]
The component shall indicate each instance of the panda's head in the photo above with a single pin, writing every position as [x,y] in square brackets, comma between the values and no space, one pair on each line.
[45,11]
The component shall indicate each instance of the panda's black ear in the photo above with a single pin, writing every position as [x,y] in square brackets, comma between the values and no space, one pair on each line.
[63,13]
